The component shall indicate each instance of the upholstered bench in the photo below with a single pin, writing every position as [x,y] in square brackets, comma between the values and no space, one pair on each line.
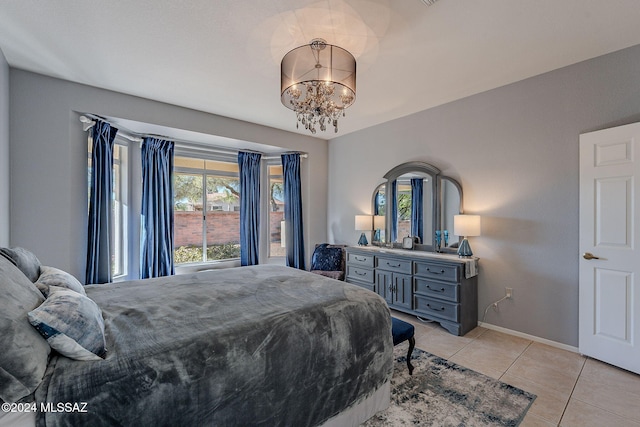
[403,331]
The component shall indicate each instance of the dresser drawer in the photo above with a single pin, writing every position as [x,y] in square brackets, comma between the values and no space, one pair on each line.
[447,273]
[360,274]
[360,259]
[432,288]
[393,264]
[433,307]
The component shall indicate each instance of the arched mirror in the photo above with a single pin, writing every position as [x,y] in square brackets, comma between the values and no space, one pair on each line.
[417,201]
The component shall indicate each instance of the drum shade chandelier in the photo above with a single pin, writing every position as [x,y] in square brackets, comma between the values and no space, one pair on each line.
[318,82]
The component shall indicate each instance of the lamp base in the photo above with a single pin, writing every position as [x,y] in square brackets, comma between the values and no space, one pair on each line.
[363,240]
[465,249]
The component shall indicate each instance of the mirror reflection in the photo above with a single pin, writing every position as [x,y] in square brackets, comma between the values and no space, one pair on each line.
[450,205]
[417,201]
[413,207]
[379,211]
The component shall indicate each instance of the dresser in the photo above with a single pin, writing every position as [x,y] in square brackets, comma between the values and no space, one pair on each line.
[439,287]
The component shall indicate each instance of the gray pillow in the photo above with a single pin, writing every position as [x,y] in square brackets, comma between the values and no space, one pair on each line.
[23,352]
[71,323]
[25,260]
[51,276]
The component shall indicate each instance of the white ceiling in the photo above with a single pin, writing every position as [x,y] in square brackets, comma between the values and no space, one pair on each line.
[223,56]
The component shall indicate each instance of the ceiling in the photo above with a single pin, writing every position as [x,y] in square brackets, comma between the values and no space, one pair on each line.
[223,56]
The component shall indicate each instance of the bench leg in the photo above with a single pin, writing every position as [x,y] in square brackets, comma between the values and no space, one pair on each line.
[412,344]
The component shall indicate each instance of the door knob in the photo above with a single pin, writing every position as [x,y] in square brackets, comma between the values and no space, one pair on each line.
[589,255]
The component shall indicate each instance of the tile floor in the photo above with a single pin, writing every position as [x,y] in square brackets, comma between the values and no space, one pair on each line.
[572,390]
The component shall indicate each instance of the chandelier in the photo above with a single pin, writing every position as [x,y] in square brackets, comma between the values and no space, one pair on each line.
[318,82]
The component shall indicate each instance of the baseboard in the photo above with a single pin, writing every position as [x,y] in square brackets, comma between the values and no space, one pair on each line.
[530,337]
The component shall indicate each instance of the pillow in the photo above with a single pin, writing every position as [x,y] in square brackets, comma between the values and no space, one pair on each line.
[327,258]
[51,276]
[23,352]
[25,260]
[71,323]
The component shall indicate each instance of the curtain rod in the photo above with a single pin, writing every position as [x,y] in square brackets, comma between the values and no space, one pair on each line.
[302,156]
[88,123]
[88,120]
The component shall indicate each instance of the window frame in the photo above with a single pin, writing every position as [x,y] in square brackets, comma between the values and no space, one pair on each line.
[203,155]
[122,230]
[267,179]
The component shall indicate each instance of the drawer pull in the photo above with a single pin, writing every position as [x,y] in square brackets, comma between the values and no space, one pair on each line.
[394,265]
[436,309]
[435,290]
[359,259]
[360,274]
[435,272]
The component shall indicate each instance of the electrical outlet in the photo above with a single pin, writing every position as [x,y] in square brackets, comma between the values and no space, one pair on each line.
[509,292]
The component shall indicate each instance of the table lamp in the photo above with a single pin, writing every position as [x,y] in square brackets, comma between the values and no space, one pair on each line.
[466,226]
[363,223]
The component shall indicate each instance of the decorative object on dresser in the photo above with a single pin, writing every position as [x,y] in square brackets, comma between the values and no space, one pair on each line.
[439,287]
[466,226]
[363,223]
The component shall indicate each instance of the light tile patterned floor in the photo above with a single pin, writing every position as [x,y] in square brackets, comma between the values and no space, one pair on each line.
[572,390]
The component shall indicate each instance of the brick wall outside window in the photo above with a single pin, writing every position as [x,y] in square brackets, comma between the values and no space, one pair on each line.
[222,227]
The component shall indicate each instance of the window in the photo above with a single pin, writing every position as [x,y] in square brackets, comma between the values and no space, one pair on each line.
[276,211]
[206,206]
[206,210]
[119,206]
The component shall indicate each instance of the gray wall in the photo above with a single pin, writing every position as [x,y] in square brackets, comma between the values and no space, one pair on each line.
[4,151]
[515,151]
[48,153]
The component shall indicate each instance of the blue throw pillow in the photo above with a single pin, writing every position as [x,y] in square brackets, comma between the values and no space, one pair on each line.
[326,258]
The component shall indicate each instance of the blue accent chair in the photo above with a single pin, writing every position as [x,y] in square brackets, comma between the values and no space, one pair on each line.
[403,331]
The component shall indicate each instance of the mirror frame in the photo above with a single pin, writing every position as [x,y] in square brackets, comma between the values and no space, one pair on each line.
[440,220]
[436,202]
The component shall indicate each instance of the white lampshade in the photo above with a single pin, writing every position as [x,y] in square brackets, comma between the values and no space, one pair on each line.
[364,222]
[378,222]
[466,225]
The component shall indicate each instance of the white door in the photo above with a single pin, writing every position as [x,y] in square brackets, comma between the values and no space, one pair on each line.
[609,301]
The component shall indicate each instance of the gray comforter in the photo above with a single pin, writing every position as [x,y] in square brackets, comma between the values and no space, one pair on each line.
[262,345]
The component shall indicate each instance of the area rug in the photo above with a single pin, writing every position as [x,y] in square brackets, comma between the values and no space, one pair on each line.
[441,393]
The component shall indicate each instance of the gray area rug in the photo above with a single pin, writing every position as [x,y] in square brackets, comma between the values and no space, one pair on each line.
[441,393]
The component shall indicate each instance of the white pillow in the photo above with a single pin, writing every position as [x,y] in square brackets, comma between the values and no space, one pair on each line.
[71,323]
[51,276]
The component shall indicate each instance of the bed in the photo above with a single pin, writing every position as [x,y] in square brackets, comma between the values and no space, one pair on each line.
[261,345]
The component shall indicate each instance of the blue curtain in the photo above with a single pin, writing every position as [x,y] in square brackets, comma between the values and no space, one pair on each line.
[417,208]
[249,164]
[293,210]
[156,246]
[393,200]
[100,195]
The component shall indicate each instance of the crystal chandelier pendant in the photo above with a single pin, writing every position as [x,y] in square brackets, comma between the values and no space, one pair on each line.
[318,82]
